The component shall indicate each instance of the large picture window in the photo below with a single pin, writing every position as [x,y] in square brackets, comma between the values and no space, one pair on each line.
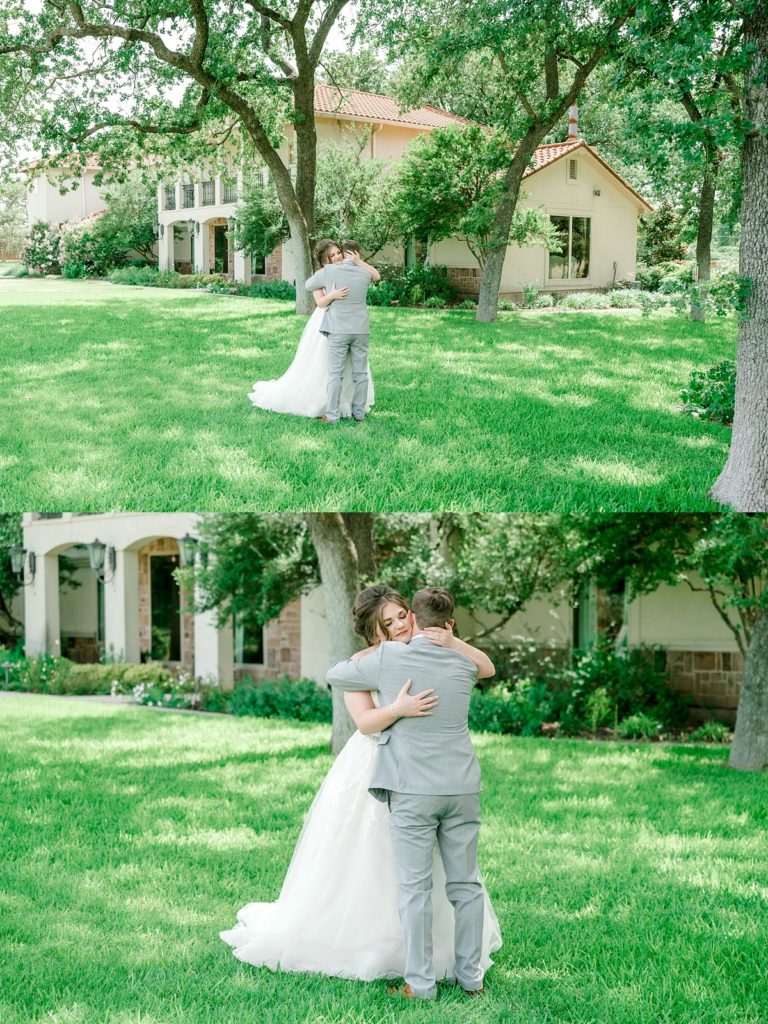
[570,260]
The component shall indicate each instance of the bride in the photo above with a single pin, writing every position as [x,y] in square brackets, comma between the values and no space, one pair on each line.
[302,389]
[337,913]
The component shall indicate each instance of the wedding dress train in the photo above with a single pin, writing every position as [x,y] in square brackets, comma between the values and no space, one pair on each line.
[337,910]
[302,389]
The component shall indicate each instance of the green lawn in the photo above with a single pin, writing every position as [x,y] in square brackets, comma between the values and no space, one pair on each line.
[630,881]
[136,399]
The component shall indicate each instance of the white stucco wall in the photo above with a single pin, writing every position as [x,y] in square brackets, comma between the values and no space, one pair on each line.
[45,202]
[679,619]
[614,214]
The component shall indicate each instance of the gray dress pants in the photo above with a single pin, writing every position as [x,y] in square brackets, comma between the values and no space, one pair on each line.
[338,346]
[416,820]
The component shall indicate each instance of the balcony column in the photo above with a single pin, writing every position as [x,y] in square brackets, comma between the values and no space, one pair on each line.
[214,650]
[121,609]
[42,627]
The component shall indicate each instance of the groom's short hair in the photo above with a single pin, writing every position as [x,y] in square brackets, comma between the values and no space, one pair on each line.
[350,245]
[432,606]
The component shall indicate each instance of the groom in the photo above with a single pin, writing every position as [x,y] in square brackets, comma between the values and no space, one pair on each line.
[427,772]
[345,321]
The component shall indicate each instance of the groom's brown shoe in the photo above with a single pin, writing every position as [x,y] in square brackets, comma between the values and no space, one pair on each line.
[406,992]
[472,991]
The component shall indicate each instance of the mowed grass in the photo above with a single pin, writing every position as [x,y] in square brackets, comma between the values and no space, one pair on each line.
[136,399]
[630,881]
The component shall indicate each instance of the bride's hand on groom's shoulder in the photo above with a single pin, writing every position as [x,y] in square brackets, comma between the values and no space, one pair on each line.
[440,637]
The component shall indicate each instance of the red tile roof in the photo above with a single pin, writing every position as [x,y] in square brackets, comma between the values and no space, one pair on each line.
[370,106]
[548,154]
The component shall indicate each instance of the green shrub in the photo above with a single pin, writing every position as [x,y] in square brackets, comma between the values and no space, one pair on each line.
[520,709]
[134,275]
[435,302]
[466,304]
[506,305]
[73,270]
[545,301]
[624,298]
[283,698]
[91,246]
[530,294]
[213,698]
[634,681]
[43,674]
[271,290]
[711,394]
[639,727]
[711,732]
[649,278]
[41,249]
[413,286]
[586,300]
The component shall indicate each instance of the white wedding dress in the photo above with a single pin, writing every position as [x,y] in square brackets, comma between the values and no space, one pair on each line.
[303,388]
[337,910]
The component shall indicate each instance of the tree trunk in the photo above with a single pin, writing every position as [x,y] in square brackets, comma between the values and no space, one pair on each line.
[339,576]
[743,483]
[360,528]
[704,231]
[490,283]
[749,751]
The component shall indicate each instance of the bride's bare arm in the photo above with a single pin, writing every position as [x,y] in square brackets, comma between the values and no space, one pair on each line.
[445,638]
[368,718]
[323,298]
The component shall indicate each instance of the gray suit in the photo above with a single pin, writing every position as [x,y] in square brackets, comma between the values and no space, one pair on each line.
[346,324]
[427,771]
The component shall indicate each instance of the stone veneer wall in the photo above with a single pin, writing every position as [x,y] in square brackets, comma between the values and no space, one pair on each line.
[712,679]
[282,648]
[163,546]
[273,266]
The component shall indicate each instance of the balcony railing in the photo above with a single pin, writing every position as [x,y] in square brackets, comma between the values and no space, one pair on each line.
[187,196]
[170,197]
[209,193]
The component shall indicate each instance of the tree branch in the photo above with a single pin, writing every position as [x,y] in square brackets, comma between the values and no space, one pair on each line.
[328,20]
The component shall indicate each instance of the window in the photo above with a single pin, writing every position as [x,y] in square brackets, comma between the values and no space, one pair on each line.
[573,171]
[258,264]
[209,197]
[230,193]
[170,197]
[570,260]
[249,644]
[187,196]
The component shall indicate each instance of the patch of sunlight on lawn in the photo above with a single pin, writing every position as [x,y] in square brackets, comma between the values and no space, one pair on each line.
[240,838]
[603,801]
[616,472]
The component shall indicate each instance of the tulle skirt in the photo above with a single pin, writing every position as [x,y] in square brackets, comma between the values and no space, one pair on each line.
[337,910]
[303,388]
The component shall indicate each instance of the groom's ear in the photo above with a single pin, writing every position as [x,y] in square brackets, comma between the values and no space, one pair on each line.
[450,623]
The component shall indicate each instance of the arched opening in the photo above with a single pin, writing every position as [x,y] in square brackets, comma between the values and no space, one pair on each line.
[81,607]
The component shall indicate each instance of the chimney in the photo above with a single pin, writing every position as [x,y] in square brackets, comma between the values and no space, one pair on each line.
[573,122]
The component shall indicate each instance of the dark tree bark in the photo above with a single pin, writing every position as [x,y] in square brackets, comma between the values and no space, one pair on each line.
[749,750]
[743,483]
[360,528]
[341,582]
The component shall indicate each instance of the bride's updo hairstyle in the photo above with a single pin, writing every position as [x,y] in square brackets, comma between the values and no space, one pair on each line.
[432,606]
[367,611]
[323,248]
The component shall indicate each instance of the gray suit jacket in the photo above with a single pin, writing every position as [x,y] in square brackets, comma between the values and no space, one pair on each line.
[432,754]
[343,316]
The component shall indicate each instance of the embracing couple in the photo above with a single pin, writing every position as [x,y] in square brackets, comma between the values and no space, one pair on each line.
[329,377]
[397,816]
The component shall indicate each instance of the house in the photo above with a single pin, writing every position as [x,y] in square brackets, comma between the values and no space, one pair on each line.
[46,202]
[132,609]
[593,207]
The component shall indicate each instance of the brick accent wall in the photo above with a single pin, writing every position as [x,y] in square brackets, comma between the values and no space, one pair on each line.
[282,648]
[712,679]
[163,546]
[466,280]
[273,266]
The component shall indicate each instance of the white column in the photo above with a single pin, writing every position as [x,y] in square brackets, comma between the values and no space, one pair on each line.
[165,248]
[240,266]
[201,249]
[214,650]
[42,630]
[121,609]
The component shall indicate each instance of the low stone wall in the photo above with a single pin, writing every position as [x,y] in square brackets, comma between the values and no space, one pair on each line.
[712,679]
